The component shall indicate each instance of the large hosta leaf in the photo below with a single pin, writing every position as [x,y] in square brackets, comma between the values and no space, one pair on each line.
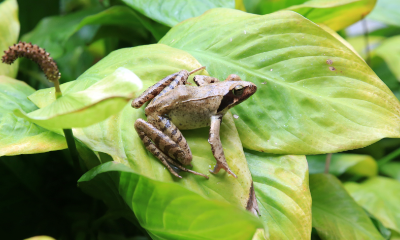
[356,164]
[9,31]
[386,11]
[335,214]
[337,14]
[117,137]
[281,185]
[381,197]
[53,32]
[168,210]
[95,102]
[17,135]
[172,12]
[389,50]
[314,94]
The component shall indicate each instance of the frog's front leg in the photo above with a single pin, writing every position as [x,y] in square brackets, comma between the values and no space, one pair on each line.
[216,146]
[161,145]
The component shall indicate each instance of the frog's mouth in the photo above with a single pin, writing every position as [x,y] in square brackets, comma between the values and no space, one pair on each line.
[230,99]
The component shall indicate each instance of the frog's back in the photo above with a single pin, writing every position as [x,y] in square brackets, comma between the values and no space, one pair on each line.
[188,107]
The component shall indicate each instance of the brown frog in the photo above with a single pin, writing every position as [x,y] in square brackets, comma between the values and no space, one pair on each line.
[175,105]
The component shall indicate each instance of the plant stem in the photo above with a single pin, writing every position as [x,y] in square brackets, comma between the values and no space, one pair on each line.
[72,149]
[368,60]
[389,157]
[58,89]
[328,162]
[69,136]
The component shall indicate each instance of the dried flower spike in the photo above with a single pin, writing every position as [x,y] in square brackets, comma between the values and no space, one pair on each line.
[36,54]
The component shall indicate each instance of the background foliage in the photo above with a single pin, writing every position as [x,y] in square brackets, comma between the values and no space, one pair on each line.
[322,88]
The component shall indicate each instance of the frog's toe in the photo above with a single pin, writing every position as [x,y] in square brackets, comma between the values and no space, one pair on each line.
[218,167]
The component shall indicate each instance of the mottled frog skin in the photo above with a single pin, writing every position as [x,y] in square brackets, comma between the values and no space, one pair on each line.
[175,105]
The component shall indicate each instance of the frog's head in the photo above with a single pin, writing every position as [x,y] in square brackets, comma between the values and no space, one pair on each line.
[238,91]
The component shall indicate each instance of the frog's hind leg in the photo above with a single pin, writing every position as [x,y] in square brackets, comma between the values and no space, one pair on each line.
[168,128]
[159,144]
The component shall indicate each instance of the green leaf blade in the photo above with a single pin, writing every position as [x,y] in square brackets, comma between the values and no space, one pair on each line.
[386,11]
[158,206]
[336,14]
[284,200]
[17,135]
[314,94]
[167,13]
[380,197]
[117,137]
[355,164]
[335,214]
[9,31]
[94,104]
[391,169]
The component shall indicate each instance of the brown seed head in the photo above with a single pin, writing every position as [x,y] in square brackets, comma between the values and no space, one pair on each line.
[36,54]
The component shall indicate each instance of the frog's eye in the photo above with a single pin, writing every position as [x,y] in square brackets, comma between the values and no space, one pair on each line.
[238,90]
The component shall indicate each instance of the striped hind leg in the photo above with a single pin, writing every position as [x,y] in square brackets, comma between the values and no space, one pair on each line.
[160,145]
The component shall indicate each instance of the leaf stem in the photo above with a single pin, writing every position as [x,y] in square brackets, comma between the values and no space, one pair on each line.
[69,136]
[388,157]
[328,162]
[58,89]
[368,60]
[72,149]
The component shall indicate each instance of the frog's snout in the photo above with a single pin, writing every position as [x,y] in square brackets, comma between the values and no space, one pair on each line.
[251,89]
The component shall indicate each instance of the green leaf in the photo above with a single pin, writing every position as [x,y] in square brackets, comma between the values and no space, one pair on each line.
[355,164]
[53,32]
[386,11]
[284,200]
[359,44]
[333,13]
[335,214]
[40,238]
[391,169]
[303,104]
[93,103]
[172,12]
[17,135]
[380,196]
[159,206]
[389,50]
[336,14]
[117,136]
[9,31]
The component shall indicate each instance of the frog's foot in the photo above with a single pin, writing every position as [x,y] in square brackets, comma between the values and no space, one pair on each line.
[185,169]
[220,165]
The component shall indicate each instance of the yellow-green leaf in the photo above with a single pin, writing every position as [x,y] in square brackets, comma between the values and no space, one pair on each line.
[336,14]
[315,95]
[335,214]
[17,135]
[9,31]
[117,136]
[168,210]
[380,196]
[284,200]
[355,164]
[93,103]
